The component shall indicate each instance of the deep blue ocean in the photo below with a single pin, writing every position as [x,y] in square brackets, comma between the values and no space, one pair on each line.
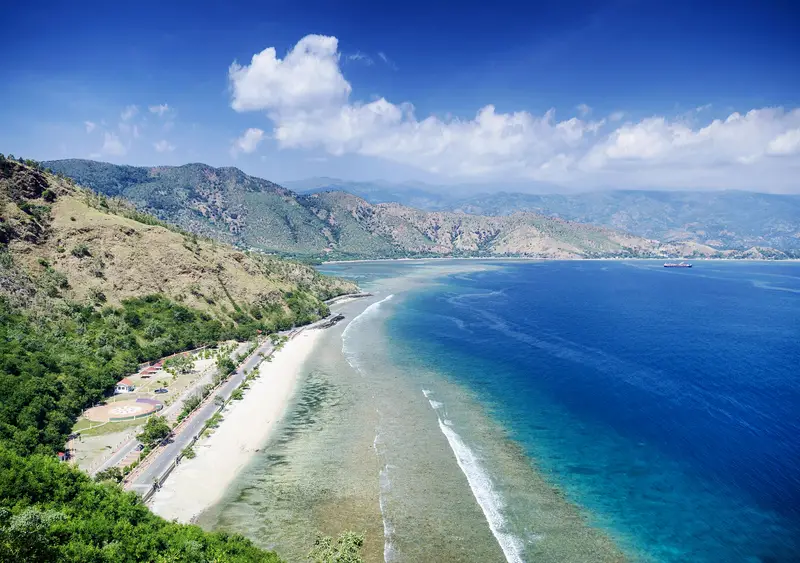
[664,402]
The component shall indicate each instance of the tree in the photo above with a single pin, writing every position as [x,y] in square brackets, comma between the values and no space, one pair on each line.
[155,430]
[27,536]
[50,511]
[346,549]
[225,365]
[114,474]
[182,363]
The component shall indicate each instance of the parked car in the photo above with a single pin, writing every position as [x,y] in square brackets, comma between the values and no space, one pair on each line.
[139,447]
[161,390]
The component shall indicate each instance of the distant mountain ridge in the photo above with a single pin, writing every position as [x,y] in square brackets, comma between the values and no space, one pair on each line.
[724,219]
[250,212]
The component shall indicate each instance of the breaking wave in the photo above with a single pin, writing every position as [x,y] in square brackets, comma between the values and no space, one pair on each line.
[480,483]
[347,349]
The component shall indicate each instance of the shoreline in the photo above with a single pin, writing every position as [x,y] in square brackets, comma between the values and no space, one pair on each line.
[537,259]
[198,484]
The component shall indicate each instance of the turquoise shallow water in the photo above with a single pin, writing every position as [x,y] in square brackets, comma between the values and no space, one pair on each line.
[543,411]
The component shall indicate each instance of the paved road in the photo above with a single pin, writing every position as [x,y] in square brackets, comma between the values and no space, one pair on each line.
[165,455]
[117,456]
[129,446]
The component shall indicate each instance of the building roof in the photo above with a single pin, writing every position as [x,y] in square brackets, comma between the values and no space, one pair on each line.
[125,381]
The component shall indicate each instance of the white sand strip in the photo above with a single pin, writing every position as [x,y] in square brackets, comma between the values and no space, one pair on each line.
[197,484]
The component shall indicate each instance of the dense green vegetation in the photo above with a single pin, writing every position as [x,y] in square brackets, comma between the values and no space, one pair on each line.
[53,366]
[52,512]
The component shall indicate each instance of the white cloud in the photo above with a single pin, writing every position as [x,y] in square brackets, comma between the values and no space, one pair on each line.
[785,144]
[308,76]
[128,113]
[583,110]
[112,146]
[163,146]
[90,126]
[307,98]
[248,142]
[159,109]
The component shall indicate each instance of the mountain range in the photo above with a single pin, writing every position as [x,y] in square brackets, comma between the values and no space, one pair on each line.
[250,212]
[722,219]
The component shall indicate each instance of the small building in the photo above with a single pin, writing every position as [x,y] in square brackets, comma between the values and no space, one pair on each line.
[148,372]
[124,385]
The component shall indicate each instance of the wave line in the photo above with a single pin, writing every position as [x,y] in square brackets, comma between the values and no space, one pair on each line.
[480,484]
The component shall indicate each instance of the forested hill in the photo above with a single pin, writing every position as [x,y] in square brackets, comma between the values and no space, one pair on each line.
[89,288]
[250,212]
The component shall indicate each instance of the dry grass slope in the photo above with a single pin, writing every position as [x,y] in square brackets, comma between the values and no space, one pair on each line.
[84,247]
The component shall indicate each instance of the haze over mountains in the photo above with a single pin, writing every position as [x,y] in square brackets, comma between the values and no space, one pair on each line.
[722,219]
[251,212]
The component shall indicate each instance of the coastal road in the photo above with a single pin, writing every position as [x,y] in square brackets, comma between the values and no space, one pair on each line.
[163,457]
[177,405]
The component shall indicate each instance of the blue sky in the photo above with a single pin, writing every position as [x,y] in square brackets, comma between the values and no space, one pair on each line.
[579,95]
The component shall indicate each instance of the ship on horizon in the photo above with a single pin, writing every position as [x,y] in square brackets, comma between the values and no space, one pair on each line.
[677,265]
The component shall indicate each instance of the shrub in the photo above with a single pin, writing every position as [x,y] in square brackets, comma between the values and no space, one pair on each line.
[80,250]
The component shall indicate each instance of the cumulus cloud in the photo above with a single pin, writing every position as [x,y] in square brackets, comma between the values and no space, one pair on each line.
[90,126]
[159,109]
[785,144]
[248,142]
[163,146]
[112,146]
[129,112]
[308,100]
[307,77]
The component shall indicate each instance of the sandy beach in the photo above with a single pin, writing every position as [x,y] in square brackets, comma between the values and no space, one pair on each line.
[197,484]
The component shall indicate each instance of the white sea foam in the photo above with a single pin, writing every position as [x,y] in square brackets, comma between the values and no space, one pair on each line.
[388,528]
[350,354]
[385,484]
[347,348]
[480,483]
